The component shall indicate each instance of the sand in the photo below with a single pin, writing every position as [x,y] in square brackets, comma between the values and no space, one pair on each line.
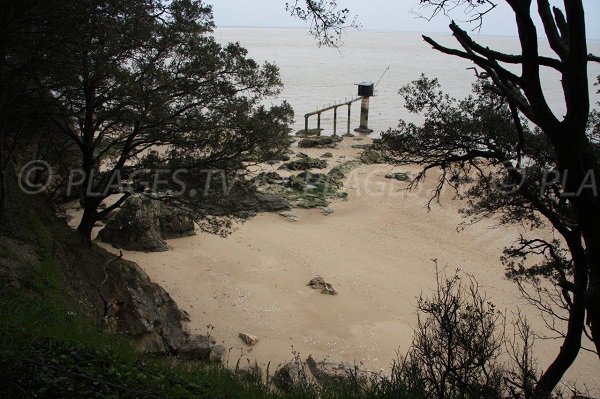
[376,249]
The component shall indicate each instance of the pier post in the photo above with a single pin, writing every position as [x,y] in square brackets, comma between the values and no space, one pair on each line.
[319,122]
[364,117]
[349,114]
[335,121]
[306,124]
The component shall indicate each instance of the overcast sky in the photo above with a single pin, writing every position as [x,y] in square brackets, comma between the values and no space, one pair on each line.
[378,15]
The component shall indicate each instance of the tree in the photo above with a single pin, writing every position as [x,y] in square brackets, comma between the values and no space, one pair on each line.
[553,167]
[130,77]
[19,56]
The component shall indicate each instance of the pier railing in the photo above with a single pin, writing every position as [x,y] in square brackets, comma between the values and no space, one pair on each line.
[335,109]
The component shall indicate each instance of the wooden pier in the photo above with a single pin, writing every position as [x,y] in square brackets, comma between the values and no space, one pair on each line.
[335,113]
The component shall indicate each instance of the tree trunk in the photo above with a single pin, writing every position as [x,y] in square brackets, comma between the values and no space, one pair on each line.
[587,206]
[571,344]
[88,220]
[3,193]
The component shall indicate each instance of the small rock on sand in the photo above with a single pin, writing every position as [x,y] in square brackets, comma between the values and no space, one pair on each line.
[289,215]
[327,211]
[249,339]
[326,288]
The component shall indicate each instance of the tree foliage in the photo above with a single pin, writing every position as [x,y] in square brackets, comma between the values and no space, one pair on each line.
[128,77]
[326,20]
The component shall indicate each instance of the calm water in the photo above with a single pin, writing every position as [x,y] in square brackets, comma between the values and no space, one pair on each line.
[315,77]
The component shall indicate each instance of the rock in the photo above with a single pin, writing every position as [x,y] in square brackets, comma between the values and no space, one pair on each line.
[328,373]
[371,156]
[289,215]
[120,295]
[248,339]
[358,138]
[327,155]
[327,211]
[268,178]
[339,172]
[301,155]
[267,202]
[317,179]
[329,290]
[296,183]
[318,283]
[400,176]
[197,347]
[361,146]
[348,135]
[289,376]
[218,354]
[309,132]
[305,163]
[175,223]
[136,226]
[317,142]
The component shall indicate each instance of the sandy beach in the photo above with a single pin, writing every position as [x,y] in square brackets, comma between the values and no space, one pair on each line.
[377,249]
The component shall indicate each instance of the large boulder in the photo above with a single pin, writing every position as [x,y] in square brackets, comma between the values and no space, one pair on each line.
[175,223]
[138,307]
[136,226]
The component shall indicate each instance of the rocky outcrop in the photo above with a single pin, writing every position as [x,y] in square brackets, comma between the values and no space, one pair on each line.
[372,156]
[339,172]
[131,303]
[318,142]
[304,164]
[143,224]
[268,178]
[175,223]
[136,226]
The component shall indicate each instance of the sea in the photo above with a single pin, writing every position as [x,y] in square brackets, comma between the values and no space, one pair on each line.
[315,77]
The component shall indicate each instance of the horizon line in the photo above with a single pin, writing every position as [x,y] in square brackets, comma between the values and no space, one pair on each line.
[595,39]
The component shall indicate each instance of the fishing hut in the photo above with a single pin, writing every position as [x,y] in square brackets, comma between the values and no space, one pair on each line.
[366,90]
